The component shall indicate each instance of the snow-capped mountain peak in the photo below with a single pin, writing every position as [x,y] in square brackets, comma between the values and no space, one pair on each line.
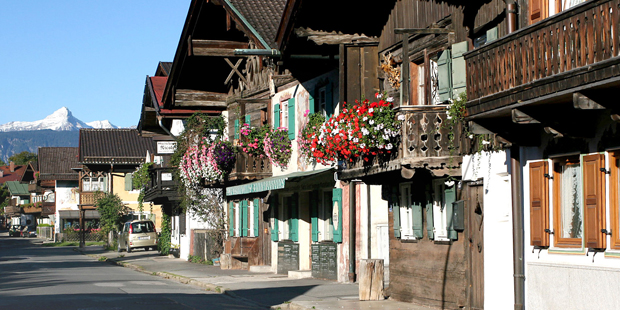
[61,120]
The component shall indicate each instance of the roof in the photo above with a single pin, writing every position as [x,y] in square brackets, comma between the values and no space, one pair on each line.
[113,146]
[55,163]
[159,85]
[17,189]
[7,175]
[163,68]
[263,16]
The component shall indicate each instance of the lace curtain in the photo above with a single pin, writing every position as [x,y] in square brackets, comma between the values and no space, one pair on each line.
[571,202]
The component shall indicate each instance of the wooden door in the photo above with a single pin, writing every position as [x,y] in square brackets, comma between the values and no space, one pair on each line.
[474,209]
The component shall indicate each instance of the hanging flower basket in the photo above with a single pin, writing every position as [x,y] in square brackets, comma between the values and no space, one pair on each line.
[206,161]
[277,147]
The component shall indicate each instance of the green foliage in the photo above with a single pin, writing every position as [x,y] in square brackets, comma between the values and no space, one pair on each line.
[2,163]
[197,126]
[165,236]
[4,197]
[198,260]
[112,211]
[140,179]
[23,158]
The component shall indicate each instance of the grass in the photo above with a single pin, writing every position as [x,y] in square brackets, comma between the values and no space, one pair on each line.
[72,243]
[103,259]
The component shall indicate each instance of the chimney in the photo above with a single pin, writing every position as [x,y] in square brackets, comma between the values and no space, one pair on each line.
[12,167]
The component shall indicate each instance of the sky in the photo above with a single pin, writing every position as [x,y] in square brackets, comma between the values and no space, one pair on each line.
[89,56]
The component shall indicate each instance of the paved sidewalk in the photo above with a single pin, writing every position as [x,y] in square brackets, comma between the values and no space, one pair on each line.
[264,289]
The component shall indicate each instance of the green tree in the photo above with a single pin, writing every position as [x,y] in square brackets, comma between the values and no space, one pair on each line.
[4,197]
[2,163]
[23,158]
[111,210]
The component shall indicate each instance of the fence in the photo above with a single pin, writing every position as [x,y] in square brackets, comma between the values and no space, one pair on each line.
[45,232]
[204,246]
[74,235]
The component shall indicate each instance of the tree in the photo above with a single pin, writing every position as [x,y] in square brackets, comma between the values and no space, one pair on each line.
[23,158]
[2,163]
[4,196]
[111,210]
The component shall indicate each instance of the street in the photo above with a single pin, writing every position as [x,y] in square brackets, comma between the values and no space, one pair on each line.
[36,277]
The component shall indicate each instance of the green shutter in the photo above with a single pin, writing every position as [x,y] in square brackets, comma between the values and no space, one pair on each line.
[450,198]
[274,229]
[395,211]
[418,221]
[256,218]
[244,218]
[128,181]
[444,73]
[276,116]
[248,120]
[491,35]
[231,219]
[236,129]
[430,225]
[459,71]
[291,118]
[314,215]
[294,222]
[337,202]
[311,107]
[329,100]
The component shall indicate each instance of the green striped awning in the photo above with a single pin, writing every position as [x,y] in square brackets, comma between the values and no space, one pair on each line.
[272,183]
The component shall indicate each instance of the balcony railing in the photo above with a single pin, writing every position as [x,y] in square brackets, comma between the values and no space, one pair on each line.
[566,43]
[34,187]
[161,184]
[49,208]
[12,210]
[249,167]
[33,208]
[89,198]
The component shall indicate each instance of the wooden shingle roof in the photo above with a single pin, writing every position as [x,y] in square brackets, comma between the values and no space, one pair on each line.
[113,146]
[263,15]
[55,163]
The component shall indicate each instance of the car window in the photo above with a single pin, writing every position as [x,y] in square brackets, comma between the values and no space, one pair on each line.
[142,227]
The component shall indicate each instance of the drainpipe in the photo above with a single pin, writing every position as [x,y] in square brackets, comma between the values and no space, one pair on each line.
[511,9]
[352,230]
[517,228]
[257,52]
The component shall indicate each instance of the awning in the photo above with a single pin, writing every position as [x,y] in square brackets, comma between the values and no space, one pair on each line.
[75,214]
[277,182]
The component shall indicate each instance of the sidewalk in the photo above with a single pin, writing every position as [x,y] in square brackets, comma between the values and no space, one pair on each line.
[264,289]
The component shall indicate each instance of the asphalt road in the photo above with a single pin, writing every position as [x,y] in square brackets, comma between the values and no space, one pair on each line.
[35,277]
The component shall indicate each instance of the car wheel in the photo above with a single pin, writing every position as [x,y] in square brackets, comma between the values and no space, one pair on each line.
[128,248]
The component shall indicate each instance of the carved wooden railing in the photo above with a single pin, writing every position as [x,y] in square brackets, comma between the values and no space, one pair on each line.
[34,187]
[161,183]
[49,208]
[576,38]
[249,167]
[12,210]
[89,198]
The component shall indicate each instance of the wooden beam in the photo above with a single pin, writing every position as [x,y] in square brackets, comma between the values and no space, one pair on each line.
[555,133]
[519,117]
[197,98]
[253,100]
[422,30]
[583,102]
[478,129]
[218,48]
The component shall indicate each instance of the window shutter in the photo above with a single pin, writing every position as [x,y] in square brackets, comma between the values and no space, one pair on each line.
[536,11]
[256,218]
[236,129]
[329,100]
[459,72]
[311,107]
[244,218]
[429,216]
[395,211]
[314,215]
[539,204]
[594,195]
[276,116]
[128,181]
[450,198]
[418,221]
[274,218]
[291,118]
[337,203]
[444,73]
[248,120]
[231,219]
[294,222]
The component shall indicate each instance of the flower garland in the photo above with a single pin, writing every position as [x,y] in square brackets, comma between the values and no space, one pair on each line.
[362,130]
[205,160]
[277,147]
[252,140]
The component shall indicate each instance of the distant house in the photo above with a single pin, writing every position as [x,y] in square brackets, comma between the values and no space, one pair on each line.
[11,172]
[19,196]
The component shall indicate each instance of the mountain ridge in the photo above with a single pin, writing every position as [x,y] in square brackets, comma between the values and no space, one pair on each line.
[61,120]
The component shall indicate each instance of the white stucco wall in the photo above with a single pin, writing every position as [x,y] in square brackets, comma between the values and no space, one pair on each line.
[498,265]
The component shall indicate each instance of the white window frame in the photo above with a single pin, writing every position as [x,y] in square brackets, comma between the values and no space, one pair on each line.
[237,226]
[284,218]
[440,220]
[251,218]
[322,98]
[87,184]
[406,212]
[325,212]
[284,113]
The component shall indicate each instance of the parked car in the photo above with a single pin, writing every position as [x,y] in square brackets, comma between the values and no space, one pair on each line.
[29,232]
[15,231]
[138,234]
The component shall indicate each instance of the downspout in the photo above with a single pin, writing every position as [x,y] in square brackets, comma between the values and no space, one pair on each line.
[517,202]
[352,231]
[159,119]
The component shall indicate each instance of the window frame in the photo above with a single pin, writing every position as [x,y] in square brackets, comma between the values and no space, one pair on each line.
[558,240]
[237,222]
[284,113]
[325,218]
[614,198]
[440,214]
[405,204]
[89,181]
[284,217]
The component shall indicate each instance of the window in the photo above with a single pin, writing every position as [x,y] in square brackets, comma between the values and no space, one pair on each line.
[444,195]
[129,182]
[93,184]
[326,223]
[406,212]
[568,202]
[289,218]
[615,199]
[284,113]
[322,97]
[541,9]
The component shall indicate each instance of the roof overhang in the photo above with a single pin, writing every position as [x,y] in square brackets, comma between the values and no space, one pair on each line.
[275,183]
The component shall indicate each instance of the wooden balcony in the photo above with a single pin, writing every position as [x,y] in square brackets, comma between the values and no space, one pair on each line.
[249,168]
[89,198]
[48,208]
[576,50]
[12,210]
[34,187]
[33,208]
[162,186]
[425,143]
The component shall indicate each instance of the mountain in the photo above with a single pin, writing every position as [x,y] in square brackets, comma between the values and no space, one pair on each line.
[14,142]
[61,120]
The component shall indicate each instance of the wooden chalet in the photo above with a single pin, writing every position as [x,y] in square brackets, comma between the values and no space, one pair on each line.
[11,172]
[547,88]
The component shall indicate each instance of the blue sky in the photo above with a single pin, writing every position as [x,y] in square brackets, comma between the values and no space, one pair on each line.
[89,56]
